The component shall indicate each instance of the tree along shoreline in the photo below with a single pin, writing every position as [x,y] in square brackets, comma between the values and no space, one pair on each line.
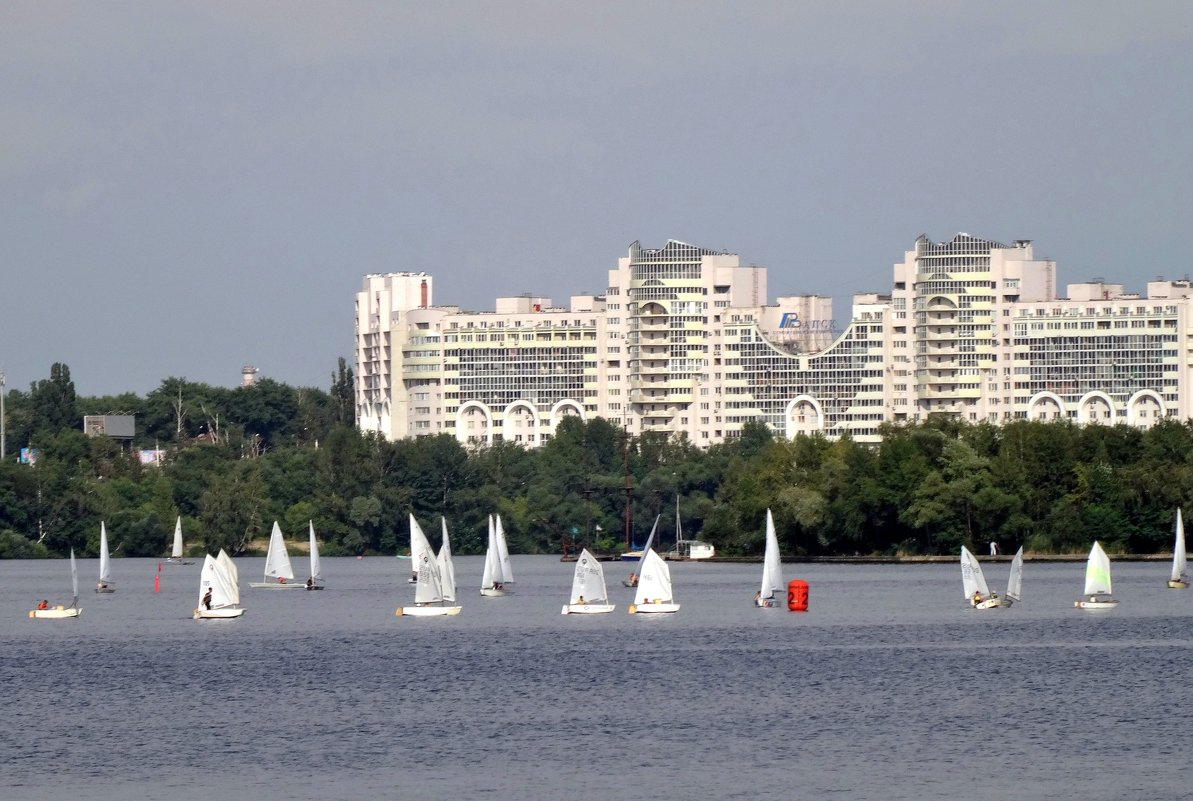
[231,461]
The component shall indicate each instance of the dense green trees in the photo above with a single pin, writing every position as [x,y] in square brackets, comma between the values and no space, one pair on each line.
[238,459]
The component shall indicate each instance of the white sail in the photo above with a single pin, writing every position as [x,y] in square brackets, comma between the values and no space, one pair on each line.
[230,577]
[772,564]
[105,559]
[1179,555]
[588,582]
[277,560]
[176,551]
[972,579]
[427,589]
[418,546]
[1097,572]
[492,570]
[74,578]
[316,568]
[654,582]
[447,573]
[1015,581]
[503,554]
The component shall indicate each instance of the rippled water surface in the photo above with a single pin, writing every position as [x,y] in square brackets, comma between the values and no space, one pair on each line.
[888,688]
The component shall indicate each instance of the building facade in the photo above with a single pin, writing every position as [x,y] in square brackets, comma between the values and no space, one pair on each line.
[684,341]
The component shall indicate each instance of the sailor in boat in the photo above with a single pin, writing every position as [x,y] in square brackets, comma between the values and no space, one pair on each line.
[43,604]
[310,581]
[633,579]
[977,598]
[103,585]
[206,602]
[580,601]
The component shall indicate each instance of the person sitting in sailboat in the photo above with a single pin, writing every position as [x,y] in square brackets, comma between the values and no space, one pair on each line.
[977,598]
[633,579]
[43,604]
[207,599]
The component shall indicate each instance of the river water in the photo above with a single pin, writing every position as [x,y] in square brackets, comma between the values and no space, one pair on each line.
[888,688]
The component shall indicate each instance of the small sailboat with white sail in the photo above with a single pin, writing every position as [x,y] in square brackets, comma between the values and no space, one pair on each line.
[46,612]
[492,577]
[435,590]
[1015,580]
[1098,592]
[653,595]
[772,568]
[105,583]
[219,589]
[279,575]
[632,581]
[416,552]
[973,583]
[176,557]
[1178,580]
[315,579]
[589,596]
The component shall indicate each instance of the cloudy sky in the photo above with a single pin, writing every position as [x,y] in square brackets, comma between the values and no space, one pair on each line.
[187,187]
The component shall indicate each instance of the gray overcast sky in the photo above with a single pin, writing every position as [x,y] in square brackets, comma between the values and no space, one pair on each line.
[187,187]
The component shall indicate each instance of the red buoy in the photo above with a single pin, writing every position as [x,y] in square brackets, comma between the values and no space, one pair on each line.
[797,595]
[157,582]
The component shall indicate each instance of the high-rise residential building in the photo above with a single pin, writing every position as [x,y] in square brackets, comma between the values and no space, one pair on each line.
[685,341]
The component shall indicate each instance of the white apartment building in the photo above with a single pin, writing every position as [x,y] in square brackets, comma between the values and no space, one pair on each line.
[684,341]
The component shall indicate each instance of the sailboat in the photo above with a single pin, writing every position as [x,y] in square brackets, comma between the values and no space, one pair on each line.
[973,583]
[45,611]
[503,553]
[688,549]
[278,573]
[316,570]
[632,581]
[772,568]
[588,588]
[1098,593]
[175,557]
[1179,580]
[654,587]
[434,590]
[492,578]
[1015,580]
[219,589]
[416,552]
[105,583]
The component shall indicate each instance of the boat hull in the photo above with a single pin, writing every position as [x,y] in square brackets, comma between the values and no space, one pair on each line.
[57,613]
[588,609]
[490,592]
[1096,602]
[1177,584]
[169,560]
[989,603]
[428,611]
[107,589]
[632,556]
[226,613]
[628,583]
[653,609]
[313,587]
[765,603]
[273,585]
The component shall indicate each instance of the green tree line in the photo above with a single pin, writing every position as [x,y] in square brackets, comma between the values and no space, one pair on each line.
[237,459]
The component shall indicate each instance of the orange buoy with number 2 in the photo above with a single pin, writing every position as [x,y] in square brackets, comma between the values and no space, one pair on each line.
[797,595]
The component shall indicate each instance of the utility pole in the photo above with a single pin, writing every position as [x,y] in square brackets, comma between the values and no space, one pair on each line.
[3,448]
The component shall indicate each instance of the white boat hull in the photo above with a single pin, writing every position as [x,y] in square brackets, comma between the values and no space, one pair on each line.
[169,560]
[989,603]
[273,585]
[1177,584]
[57,613]
[428,611]
[588,609]
[109,588]
[765,603]
[653,609]
[490,592]
[1096,602]
[227,613]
